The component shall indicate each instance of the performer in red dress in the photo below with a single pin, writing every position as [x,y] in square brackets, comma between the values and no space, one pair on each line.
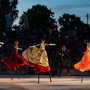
[15,60]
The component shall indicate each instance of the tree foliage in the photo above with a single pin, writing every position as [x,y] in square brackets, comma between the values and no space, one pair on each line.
[71,22]
[7,7]
[40,18]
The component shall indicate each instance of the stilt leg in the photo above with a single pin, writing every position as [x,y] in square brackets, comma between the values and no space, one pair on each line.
[82,79]
[38,77]
[50,77]
[12,75]
[17,71]
[18,74]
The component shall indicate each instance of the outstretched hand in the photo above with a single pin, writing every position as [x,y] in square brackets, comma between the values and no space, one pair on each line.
[2,43]
[19,48]
[31,46]
[53,44]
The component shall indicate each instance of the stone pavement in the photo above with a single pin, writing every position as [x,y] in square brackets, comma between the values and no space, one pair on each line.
[31,83]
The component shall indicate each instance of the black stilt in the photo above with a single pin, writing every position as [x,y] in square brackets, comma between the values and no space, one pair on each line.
[38,77]
[82,79]
[18,74]
[12,76]
[61,66]
[50,77]
[42,73]
[59,73]
[17,71]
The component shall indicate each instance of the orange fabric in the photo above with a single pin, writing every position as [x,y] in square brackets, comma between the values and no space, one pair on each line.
[84,64]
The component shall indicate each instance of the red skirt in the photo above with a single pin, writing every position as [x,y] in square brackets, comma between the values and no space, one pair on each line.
[14,61]
[30,64]
[42,69]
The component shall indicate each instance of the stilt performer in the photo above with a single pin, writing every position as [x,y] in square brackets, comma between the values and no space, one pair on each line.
[84,64]
[14,60]
[37,57]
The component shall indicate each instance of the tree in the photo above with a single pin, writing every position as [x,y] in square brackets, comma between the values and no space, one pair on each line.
[40,18]
[7,7]
[72,23]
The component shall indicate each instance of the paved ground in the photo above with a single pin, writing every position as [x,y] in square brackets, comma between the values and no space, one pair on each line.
[31,83]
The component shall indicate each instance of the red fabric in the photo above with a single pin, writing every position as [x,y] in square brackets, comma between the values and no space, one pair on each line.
[14,61]
[41,69]
[30,64]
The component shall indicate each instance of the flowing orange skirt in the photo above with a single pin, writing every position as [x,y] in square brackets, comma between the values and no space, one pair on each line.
[84,64]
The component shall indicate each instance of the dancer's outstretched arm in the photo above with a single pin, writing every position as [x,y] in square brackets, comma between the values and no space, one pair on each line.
[50,44]
[2,43]
[35,45]
[19,48]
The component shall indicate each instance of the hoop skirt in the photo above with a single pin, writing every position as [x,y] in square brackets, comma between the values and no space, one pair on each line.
[37,59]
[84,64]
[14,61]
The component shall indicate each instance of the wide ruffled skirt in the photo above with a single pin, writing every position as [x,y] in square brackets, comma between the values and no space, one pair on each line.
[14,61]
[37,59]
[84,64]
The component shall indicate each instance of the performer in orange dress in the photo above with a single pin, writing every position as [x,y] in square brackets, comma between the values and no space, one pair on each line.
[15,60]
[84,64]
[38,57]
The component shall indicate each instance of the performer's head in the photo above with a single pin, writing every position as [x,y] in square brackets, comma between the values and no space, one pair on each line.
[16,42]
[63,47]
[88,44]
[42,40]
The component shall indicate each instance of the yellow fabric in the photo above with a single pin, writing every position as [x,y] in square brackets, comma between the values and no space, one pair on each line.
[36,55]
[42,46]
